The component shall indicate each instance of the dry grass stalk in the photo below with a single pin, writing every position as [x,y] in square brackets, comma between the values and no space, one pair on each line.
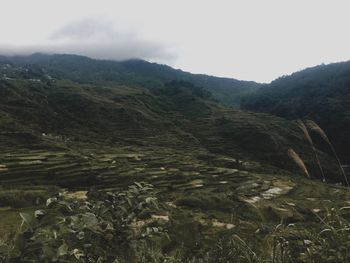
[308,137]
[313,126]
[304,129]
[296,158]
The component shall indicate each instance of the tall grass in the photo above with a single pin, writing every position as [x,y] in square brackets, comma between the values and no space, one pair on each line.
[313,126]
[296,158]
[308,138]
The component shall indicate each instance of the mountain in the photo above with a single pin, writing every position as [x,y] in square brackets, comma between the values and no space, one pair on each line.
[110,161]
[320,93]
[131,72]
[52,97]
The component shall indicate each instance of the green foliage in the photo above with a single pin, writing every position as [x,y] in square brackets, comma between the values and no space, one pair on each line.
[98,229]
[117,227]
[327,241]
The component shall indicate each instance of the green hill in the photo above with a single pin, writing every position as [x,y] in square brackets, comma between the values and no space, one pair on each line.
[131,72]
[67,101]
[320,93]
[52,112]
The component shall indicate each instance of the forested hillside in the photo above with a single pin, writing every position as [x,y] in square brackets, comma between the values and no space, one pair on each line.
[320,93]
[131,72]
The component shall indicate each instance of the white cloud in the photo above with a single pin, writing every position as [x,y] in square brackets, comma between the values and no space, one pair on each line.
[86,29]
[245,39]
[96,38]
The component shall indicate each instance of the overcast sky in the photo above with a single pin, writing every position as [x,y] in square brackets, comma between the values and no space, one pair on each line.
[244,39]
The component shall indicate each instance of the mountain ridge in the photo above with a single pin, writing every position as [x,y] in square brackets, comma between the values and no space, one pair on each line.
[135,71]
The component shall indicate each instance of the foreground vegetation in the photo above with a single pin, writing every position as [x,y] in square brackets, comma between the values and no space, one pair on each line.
[125,226]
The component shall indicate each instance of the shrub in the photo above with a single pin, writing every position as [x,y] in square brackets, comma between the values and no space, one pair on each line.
[98,229]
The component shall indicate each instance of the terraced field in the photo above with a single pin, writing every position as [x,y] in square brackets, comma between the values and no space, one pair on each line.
[35,167]
[195,180]
[202,196]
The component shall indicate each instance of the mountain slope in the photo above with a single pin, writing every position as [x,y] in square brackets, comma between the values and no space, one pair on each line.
[320,93]
[216,171]
[178,115]
[132,72]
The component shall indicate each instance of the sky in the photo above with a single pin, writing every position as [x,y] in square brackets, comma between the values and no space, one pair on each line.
[256,40]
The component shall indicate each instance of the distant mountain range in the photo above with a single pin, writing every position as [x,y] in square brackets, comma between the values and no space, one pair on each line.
[132,72]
